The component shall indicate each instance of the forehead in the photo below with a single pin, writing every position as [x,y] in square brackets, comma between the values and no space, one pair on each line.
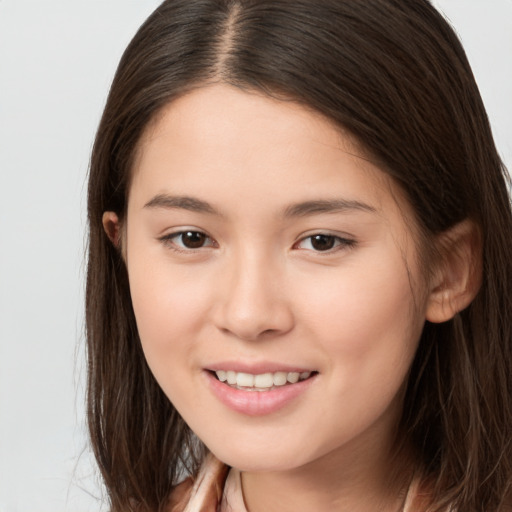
[225,144]
[222,117]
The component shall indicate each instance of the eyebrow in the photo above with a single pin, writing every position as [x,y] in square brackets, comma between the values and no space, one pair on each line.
[302,209]
[183,202]
[326,206]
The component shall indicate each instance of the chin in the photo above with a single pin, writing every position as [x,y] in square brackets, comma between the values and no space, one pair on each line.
[258,459]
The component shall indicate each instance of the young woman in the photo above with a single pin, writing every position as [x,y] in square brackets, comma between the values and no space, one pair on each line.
[299,273]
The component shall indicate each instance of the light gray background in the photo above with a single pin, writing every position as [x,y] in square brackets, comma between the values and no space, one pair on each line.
[57,58]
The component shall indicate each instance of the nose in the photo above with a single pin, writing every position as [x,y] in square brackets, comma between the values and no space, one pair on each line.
[253,302]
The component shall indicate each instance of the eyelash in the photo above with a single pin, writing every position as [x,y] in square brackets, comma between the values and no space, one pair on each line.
[339,243]
[169,241]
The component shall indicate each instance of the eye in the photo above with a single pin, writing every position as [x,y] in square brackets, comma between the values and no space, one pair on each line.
[188,239]
[322,242]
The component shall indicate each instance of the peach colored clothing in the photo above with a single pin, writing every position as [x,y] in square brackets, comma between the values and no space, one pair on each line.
[218,488]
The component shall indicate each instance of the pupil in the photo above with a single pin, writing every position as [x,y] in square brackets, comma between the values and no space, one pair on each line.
[193,239]
[322,242]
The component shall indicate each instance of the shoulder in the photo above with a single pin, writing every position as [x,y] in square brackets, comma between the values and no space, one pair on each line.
[418,496]
[180,496]
[202,492]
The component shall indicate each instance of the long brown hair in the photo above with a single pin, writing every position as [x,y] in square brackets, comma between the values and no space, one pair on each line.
[392,73]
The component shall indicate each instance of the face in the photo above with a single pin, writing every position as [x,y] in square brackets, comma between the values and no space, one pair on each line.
[274,279]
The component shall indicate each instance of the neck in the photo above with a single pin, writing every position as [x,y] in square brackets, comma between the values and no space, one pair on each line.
[359,481]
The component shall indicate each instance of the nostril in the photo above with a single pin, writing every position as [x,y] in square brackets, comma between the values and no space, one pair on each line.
[269,332]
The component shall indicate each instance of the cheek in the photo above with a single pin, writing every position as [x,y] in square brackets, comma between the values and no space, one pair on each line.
[374,299]
[165,305]
[368,323]
[169,303]
[166,322]
[168,309]
[367,327]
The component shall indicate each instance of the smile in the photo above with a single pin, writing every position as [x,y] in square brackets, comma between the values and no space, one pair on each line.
[260,382]
[259,394]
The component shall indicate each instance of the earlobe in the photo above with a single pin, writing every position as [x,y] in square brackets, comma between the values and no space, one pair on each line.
[112,228]
[458,273]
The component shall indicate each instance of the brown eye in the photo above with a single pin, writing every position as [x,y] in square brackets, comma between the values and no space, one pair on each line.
[187,240]
[322,242]
[193,239]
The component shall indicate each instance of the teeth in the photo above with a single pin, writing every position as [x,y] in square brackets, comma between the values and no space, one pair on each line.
[280,378]
[245,380]
[262,381]
[293,377]
[265,380]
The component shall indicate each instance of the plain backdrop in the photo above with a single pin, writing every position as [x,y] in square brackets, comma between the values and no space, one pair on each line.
[57,58]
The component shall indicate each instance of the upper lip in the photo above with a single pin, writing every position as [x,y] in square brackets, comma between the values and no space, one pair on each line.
[257,368]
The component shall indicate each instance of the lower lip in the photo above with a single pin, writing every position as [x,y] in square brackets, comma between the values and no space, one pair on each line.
[257,403]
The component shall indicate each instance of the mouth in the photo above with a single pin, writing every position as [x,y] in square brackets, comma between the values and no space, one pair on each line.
[261,382]
[262,393]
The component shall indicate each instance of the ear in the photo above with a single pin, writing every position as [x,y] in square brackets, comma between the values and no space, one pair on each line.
[112,228]
[458,273]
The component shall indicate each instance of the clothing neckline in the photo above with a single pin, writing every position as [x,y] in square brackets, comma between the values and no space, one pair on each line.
[218,488]
[233,499]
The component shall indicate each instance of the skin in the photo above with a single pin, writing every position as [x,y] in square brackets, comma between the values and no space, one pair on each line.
[258,291]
